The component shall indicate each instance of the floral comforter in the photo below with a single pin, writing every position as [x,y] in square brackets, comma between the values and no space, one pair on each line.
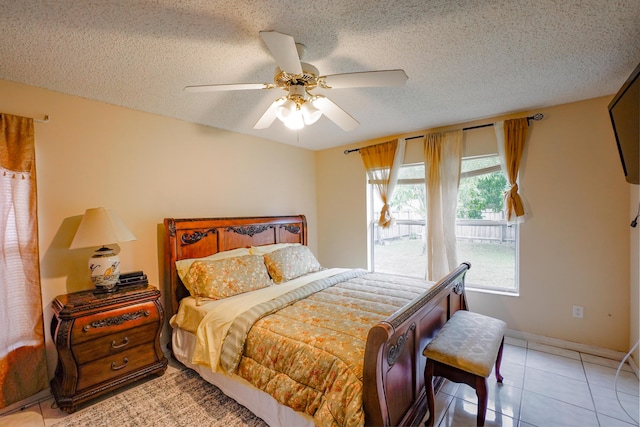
[306,348]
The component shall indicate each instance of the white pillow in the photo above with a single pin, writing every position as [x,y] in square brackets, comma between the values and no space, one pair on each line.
[183,265]
[267,249]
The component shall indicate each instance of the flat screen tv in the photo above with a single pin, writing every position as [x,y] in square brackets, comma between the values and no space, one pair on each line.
[624,111]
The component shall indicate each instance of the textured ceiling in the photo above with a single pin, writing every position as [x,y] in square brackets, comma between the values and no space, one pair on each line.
[466,59]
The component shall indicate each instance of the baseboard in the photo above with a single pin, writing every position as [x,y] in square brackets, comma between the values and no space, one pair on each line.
[25,403]
[570,345]
[633,365]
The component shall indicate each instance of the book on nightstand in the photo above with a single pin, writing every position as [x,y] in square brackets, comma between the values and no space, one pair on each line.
[134,278]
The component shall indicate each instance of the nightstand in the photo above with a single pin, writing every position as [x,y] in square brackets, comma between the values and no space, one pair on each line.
[105,341]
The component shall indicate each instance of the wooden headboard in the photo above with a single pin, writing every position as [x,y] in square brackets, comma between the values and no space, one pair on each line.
[200,237]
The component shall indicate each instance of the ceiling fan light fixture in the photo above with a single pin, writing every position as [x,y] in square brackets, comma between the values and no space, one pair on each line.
[299,107]
[295,120]
[287,108]
[310,113]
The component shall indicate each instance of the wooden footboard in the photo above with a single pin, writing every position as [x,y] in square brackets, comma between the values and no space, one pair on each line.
[394,393]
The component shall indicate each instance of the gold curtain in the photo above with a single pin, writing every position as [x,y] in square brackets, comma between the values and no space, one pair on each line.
[378,161]
[23,366]
[515,134]
[442,159]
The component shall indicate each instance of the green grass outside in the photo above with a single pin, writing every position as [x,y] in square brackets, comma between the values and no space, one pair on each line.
[492,264]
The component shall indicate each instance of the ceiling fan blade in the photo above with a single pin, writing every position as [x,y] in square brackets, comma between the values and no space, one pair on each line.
[335,113]
[283,48]
[388,78]
[270,115]
[224,87]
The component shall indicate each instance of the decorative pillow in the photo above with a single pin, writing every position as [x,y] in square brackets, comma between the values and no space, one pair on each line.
[290,262]
[223,278]
[261,250]
[183,265]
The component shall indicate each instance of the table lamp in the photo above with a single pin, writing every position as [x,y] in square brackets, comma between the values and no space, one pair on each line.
[101,227]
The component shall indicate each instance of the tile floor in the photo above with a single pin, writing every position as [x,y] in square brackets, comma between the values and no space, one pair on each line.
[544,386]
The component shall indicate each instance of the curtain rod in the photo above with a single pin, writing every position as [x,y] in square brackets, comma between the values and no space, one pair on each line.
[536,117]
[45,119]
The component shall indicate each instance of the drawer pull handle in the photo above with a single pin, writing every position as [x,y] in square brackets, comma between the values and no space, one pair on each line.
[125,341]
[118,320]
[115,367]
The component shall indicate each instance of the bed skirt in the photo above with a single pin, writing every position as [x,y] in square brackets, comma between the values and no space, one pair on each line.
[237,388]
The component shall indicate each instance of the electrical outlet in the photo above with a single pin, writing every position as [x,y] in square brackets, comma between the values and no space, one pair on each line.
[578,311]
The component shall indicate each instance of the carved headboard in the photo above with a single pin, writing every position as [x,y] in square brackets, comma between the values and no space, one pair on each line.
[200,237]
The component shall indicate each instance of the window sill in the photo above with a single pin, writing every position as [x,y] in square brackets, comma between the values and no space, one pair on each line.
[493,291]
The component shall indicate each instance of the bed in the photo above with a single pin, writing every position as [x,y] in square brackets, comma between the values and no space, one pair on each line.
[392,383]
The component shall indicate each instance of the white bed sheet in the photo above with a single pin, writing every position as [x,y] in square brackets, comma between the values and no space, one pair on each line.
[257,401]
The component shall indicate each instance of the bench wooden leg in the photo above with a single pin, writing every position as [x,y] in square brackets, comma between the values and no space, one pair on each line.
[428,384]
[499,361]
[481,392]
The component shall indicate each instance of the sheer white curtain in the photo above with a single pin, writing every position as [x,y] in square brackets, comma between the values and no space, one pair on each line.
[443,155]
[511,136]
[23,370]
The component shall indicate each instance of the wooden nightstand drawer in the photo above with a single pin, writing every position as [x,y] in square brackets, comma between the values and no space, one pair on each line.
[114,366]
[114,343]
[90,327]
[105,341]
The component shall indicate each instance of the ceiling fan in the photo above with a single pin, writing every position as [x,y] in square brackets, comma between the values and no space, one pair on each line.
[300,107]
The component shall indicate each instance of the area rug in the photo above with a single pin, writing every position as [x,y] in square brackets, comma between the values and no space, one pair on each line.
[178,399]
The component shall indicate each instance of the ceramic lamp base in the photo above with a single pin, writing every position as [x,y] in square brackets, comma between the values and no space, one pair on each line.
[105,269]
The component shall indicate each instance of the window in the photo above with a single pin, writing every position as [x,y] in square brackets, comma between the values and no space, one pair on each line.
[483,237]
[400,249]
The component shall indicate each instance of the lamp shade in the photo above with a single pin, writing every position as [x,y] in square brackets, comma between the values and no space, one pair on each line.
[100,226]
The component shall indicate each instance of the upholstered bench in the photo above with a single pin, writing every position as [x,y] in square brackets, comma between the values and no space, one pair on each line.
[464,351]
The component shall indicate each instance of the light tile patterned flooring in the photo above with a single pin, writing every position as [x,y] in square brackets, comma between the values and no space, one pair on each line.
[546,386]
[543,386]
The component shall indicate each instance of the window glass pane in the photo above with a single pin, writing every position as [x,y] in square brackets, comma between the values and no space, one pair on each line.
[411,172]
[479,163]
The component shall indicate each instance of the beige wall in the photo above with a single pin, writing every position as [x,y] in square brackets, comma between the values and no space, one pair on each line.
[146,167]
[574,247]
